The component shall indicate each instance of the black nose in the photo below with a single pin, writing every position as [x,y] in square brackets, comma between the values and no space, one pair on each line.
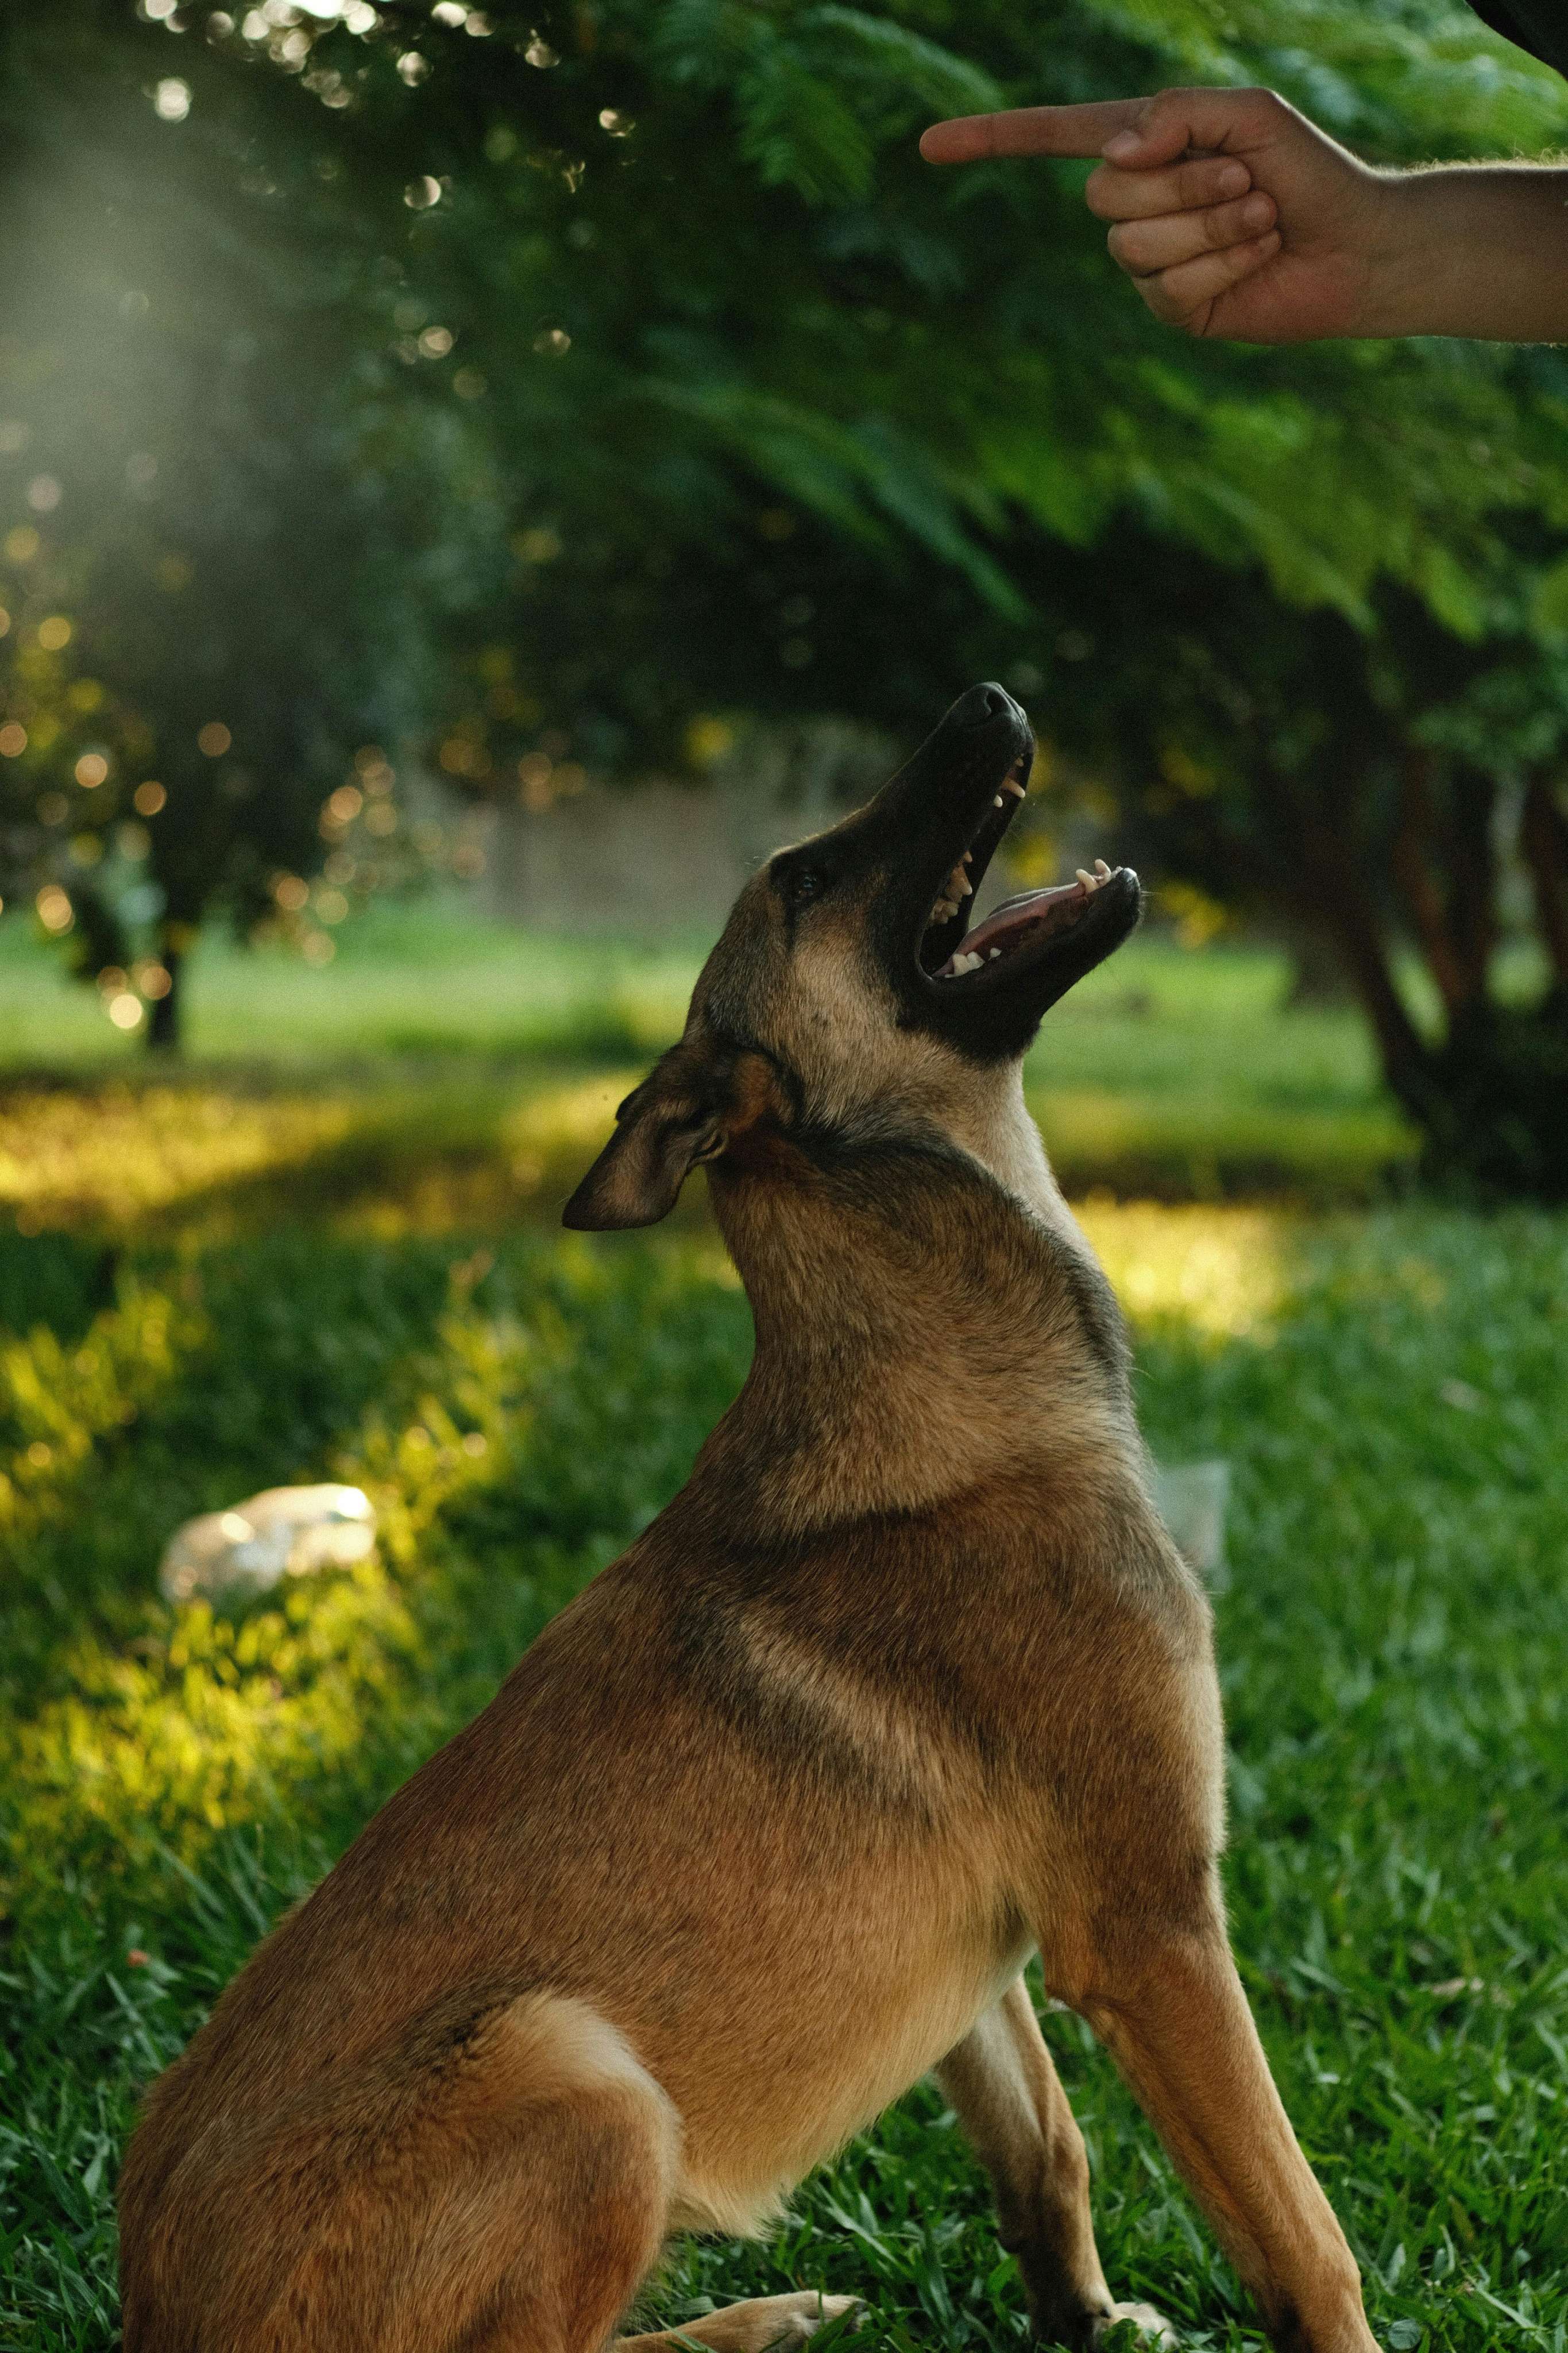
[981,704]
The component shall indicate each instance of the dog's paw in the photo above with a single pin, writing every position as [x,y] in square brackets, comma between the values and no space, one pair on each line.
[807,2314]
[1132,2325]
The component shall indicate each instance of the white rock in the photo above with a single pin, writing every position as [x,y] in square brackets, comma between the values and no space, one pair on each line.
[282,1532]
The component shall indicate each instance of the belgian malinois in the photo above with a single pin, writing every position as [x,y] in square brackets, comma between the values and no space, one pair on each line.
[907,1685]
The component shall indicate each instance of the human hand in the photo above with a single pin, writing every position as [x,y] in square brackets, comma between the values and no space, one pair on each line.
[1232,214]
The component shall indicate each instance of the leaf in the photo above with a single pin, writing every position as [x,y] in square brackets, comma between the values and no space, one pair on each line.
[944,82]
[1550,600]
[799,131]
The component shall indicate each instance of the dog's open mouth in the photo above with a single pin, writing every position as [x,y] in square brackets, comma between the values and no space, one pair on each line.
[949,952]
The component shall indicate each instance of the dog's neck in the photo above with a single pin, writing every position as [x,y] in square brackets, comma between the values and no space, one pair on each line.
[928,1317]
[992,1125]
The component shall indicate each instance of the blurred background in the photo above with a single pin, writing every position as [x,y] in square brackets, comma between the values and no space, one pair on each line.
[472,481]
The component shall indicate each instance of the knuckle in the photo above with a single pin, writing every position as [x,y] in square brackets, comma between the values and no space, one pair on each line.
[1214,181]
[1163,103]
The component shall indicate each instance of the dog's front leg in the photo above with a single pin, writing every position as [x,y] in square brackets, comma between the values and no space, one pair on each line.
[1171,2010]
[1001,2080]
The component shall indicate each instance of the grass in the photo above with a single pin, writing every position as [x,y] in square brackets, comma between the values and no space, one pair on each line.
[1166,1072]
[250,1274]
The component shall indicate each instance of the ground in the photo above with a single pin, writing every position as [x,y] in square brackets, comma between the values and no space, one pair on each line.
[326,1251]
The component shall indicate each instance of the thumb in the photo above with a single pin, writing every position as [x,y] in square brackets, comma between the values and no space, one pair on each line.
[1203,121]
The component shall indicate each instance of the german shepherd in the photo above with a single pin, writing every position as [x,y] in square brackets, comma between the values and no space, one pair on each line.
[907,1685]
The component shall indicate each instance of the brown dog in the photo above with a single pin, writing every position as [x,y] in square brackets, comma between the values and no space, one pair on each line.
[907,1684]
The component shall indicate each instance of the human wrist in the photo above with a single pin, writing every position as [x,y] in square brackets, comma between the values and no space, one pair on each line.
[1475,251]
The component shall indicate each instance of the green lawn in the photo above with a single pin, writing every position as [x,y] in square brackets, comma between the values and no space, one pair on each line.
[1167,1071]
[307,1261]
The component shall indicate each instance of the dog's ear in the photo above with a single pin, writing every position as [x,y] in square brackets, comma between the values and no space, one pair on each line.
[689,1108]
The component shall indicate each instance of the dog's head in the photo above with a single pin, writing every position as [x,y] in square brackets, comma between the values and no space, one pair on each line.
[848,996]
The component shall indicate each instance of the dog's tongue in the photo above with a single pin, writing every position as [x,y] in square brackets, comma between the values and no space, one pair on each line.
[1024,907]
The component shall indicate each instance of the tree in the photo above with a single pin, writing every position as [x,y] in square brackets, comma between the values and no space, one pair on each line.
[1386,792]
[229,550]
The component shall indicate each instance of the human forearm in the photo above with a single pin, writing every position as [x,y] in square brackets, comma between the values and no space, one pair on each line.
[1477,249]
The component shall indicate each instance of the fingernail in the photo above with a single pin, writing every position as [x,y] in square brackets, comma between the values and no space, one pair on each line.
[1258,214]
[1126,143]
[1235,180]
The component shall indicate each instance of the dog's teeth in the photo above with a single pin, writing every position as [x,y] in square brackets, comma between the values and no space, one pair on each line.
[967,856]
[1015,789]
[994,954]
[1102,869]
[997,802]
[1091,881]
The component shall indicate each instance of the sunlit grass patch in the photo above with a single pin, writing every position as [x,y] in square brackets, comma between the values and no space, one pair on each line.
[117,1157]
[1223,1270]
[133,1728]
[1213,1145]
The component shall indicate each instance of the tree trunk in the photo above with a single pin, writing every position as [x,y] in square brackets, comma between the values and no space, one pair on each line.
[1317,969]
[1418,886]
[164,1024]
[1334,899]
[1472,879]
[1544,839]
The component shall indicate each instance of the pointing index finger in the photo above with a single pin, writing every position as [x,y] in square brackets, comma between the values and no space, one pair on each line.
[1032,131]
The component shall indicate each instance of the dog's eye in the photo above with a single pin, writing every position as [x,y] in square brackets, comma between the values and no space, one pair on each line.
[804,882]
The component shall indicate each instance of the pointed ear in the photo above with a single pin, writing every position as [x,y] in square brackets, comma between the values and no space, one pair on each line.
[688,1109]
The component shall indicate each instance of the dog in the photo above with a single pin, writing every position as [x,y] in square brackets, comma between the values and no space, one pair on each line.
[907,1685]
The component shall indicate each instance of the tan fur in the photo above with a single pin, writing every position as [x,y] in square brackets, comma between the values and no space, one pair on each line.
[906,1683]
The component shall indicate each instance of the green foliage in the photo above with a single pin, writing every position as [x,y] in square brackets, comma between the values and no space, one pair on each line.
[690,272]
[229,538]
[1393,1650]
[1371,790]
